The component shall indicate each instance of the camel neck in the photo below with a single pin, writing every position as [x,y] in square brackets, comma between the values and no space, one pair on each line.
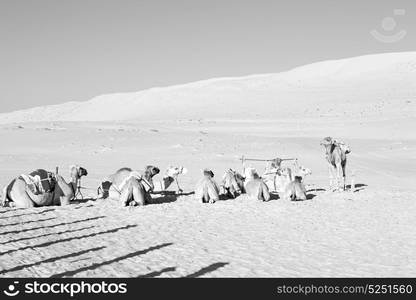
[75,180]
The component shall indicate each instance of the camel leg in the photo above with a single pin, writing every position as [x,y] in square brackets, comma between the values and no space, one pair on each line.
[113,193]
[331,176]
[344,176]
[264,191]
[126,194]
[139,194]
[205,195]
[180,191]
[339,176]
[212,193]
[67,191]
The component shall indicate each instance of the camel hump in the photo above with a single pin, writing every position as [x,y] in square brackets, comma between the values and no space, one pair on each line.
[46,179]
[125,170]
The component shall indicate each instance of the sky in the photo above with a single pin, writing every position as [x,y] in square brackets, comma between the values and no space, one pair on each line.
[55,51]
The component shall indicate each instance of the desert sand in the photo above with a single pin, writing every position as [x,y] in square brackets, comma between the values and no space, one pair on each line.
[369,102]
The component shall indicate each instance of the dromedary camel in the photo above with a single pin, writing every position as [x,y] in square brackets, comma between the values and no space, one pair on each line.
[295,190]
[232,184]
[42,188]
[255,186]
[130,187]
[336,156]
[207,190]
[171,175]
[278,178]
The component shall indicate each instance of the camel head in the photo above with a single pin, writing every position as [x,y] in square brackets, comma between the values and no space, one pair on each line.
[251,173]
[208,173]
[175,171]
[286,172]
[76,172]
[344,147]
[151,171]
[327,141]
[303,171]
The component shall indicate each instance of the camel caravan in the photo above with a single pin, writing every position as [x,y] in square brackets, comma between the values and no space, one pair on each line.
[130,187]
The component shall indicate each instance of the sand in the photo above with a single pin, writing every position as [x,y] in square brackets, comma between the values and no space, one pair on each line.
[366,233]
[368,102]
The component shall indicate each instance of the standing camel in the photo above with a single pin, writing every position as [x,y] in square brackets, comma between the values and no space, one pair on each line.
[42,188]
[336,156]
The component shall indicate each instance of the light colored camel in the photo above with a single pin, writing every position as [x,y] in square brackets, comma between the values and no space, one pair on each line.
[278,178]
[42,188]
[294,190]
[171,175]
[207,190]
[129,187]
[336,156]
[232,184]
[255,186]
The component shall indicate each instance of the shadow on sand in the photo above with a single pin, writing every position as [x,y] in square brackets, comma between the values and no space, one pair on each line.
[206,270]
[358,187]
[167,197]
[44,235]
[157,273]
[49,260]
[29,214]
[98,265]
[27,222]
[68,239]
[52,226]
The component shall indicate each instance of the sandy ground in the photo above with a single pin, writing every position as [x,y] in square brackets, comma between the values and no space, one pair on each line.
[370,232]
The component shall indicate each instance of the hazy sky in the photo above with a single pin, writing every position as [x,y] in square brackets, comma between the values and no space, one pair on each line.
[53,51]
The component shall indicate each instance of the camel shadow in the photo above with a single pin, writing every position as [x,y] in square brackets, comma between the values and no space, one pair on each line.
[358,187]
[29,214]
[98,265]
[46,244]
[27,222]
[52,226]
[167,197]
[316,190]
[208,269]
[83,200]
[44,235]
[8,209]
[274,196]
[50,260]
[86,206]
[310,196]
[157,273]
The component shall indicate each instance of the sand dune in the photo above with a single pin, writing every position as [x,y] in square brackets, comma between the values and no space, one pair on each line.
[374,86]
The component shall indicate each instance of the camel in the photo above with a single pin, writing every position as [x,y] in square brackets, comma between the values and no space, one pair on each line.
[255,186]
[171,176]
[232,184]
[207,190]
[294,190]
[278,178]
[130,188]
[336,156]
[42,188]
